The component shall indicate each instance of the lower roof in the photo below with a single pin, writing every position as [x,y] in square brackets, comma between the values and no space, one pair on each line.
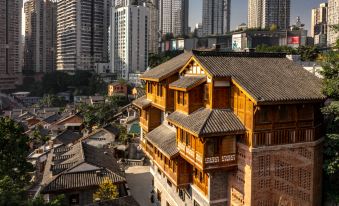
[208,122]
[142,102]
[164,138]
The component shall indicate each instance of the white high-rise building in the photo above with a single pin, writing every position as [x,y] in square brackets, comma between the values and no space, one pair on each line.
[129,44]
[265,13]
[319,24]
[216,17]
[82,34]
[333,19]
[173,17]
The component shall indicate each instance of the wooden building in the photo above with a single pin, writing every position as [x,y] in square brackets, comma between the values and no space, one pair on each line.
[223,128]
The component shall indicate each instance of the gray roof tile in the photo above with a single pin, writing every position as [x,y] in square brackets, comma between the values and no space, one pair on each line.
[164,138]
[142,102]
[188,82]
[206,122]
[266,77]
[168,68]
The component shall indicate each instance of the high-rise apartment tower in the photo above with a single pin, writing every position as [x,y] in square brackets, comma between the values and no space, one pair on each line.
[216,17]
[319,24]
[173,17]
[265,13]
[82,34]
[129,39]
[40,35]
[333,19]
[10,34]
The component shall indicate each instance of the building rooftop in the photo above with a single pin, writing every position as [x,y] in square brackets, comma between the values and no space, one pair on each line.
[187,82]
[122,201]
[79,166]
[67,137]
[164,138]
[142,102]
[208,122]
[267,77]
[168,68]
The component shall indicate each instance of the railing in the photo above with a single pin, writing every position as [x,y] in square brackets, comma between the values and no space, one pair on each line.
[144,123]
[224,160]
[287,136]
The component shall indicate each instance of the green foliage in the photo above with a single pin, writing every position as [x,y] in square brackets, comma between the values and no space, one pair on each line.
[157,59]
[107,191]
[10,192]
[273,27]
[13,152]
[38,136]
[39,201]
[52,101]
[82,82]
[279,49]
[331,113]
[123,135]
[308,53]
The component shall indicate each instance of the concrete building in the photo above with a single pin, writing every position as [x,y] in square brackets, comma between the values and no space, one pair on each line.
[40,36]
[265,13]
[319,24]
[10,34]
[173,17]
[333,19]
[82,34]
[198,31]
[129,40]
[216,17]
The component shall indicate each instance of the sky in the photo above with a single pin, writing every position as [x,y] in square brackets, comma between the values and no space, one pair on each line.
[300,8]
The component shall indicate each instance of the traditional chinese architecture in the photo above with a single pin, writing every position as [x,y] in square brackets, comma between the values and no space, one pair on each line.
[77,171]
[224,128]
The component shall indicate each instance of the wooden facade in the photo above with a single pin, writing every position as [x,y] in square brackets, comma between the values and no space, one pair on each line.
[278,135]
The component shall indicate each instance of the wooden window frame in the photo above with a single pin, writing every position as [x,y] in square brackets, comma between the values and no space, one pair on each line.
[206,92]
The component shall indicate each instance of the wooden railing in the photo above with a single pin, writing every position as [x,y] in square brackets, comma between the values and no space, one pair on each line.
[222,160]
[148,150]
[203,187]
[286,136]
[144,123]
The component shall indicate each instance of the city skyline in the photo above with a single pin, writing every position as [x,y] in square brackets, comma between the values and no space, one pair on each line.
[298,8]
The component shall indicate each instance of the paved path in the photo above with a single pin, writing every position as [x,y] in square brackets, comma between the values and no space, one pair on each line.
[139,180]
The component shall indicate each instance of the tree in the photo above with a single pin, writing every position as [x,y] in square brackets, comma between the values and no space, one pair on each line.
[39,201]
[331,112]
[38,136]
[13,152]
[52,101]
[107,191]
[10,192]
[273,27]
[308,53]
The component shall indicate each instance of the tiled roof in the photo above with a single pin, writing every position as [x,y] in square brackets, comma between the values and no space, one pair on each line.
[140,91]
[67,137]
[164,138]
[168,68]
[205,122]
[266,77]
[188,82]
[122,201]
[52,118]
[79,166]
[142,102]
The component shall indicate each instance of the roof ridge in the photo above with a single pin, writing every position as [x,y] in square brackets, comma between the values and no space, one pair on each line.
[204,124]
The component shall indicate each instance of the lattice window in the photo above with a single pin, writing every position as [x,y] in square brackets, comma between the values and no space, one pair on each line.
[264,203]
[304,179]
[283,170]
[264,166]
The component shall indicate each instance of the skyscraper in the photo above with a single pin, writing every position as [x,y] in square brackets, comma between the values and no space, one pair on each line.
[10,34]
[40,35]
[333,19]
[82,34]
[319,24]
[173,17]
[216,17]
[129,39]
[265,13]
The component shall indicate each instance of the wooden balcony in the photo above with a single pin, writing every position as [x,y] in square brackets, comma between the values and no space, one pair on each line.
[150,119]
[286,136]
[147,149]
[203,162]
[178,171]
